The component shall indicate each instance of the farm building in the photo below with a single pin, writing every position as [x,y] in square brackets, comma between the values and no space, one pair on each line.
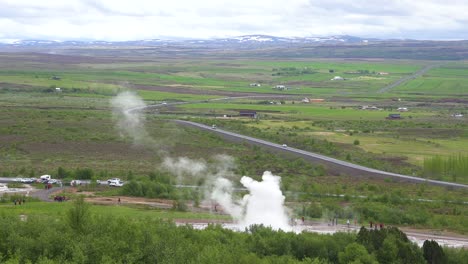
[337,78]
[402,109]
[367,107]
[393,116]
[281,87]
[248,113]
[312,100]
[317,100]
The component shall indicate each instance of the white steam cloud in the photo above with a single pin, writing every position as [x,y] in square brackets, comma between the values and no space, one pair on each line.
[130,122]
[183,166]
[263,205]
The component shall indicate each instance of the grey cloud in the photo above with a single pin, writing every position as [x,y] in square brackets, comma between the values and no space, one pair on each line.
[123,20]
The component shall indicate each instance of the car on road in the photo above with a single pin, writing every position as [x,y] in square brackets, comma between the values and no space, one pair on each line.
[109,181]
[45,178]
[285,146]
[116,184]
[53,181]
[28,180]
[213,126]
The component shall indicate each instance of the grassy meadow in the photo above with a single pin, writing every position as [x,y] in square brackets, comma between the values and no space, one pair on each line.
[42,130]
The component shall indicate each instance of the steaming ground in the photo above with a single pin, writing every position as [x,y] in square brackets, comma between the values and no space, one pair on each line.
[263,205]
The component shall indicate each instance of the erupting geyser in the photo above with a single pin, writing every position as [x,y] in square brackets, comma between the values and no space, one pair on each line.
[263,205]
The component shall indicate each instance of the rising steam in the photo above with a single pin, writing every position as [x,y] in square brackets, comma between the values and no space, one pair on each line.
[130,122]
[263,205]
[183,167]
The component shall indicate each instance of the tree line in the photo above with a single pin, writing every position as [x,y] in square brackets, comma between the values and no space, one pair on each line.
[82,237]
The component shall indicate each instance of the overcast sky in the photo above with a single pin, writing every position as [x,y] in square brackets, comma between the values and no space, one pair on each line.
[147,19]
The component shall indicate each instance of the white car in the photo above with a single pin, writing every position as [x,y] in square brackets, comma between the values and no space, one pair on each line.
[28,180]
[285,146]
[53,181]
[109,181]
[116,184]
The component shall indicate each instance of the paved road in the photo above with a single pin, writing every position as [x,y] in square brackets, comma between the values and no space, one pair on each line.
[332,163]
[407,78]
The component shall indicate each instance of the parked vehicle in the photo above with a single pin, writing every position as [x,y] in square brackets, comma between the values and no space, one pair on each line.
[75,183]
[45,178]
[28,180]
[109,181]
[116,183]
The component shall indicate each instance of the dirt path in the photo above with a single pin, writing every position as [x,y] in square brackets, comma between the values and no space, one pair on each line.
[44,195]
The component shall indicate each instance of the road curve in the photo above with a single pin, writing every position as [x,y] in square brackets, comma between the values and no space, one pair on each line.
[331,163]
[336,164]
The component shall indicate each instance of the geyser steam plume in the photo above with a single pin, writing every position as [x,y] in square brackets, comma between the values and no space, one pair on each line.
[263,205]
[130,121]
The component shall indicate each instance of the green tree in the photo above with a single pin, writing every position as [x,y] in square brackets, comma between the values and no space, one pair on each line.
[78,216]
[433,253]
[61,173]
[356,253]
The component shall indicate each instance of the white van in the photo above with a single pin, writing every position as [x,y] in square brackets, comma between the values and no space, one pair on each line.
[44,178]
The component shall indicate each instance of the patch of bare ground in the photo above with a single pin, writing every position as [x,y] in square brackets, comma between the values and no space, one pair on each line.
[112,200]
[6,140]
[156,203]
[453,100]
[16,85]
[97,149]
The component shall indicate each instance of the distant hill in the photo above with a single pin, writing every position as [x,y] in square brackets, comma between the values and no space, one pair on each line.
[240,40]
[254,46]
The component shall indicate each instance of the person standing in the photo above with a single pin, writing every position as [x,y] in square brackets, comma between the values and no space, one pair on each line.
[347,222]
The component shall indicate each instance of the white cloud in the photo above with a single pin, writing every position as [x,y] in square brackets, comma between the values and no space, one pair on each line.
[142,19]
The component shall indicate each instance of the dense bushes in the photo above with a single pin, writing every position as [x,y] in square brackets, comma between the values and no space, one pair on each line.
[155,186]
[454,168]
[110,239]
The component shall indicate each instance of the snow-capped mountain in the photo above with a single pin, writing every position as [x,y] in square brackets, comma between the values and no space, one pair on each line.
[249,40]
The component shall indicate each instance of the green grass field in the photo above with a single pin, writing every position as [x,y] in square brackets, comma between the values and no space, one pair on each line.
[41,130]
[127,211]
